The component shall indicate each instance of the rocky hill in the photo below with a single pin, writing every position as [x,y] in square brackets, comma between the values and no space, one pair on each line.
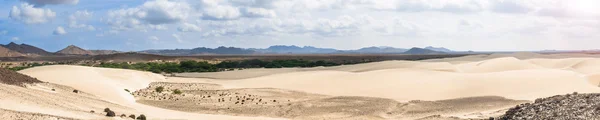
[104,52]
[560,107]
[14,78]
[5,52]
[26,49]
[382,49]
[440,49]
[421,51]
[74,50]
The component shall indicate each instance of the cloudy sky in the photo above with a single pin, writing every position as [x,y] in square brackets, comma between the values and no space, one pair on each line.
[483,25]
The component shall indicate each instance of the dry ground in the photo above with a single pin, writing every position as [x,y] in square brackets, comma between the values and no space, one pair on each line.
[214,99]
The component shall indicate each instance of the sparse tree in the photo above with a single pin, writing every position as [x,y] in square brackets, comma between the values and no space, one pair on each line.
[177,91]
[159,89]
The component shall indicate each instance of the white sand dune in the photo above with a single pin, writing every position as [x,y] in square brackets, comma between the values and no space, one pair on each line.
[405,84]
[109,84]
[409,80]
[520,78]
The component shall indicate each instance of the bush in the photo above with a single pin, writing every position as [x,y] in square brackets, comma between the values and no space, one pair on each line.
[141,117]
[123,116]
[110,113]
[106,109]
[127,90]
[159,89]
[132,116]
[75,91]
[177,91]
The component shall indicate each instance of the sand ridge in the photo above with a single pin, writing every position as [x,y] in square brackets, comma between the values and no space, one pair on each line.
[106,85]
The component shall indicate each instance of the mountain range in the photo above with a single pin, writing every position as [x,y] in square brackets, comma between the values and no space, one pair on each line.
[20,50]
[283,49]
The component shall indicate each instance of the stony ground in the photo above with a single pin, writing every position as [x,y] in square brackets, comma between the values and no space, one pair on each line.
[13,78]
[560,107]
[15,115]
[270,102]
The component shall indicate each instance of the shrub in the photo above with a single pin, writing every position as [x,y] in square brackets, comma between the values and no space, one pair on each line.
[141,117]
[75,91]
[127,90]
[53,89]
[132,116]
[110,113]
[106,109]
[123,115]
[177,91]
[159,89]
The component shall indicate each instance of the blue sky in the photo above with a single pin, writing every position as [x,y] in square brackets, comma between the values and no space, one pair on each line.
[127,25]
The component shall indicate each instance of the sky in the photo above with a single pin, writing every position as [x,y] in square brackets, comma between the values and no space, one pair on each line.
[130,25]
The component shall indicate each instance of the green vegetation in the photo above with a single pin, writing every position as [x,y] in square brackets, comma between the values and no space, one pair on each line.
[194,66]
[159,89]
[177,91]
[29,65]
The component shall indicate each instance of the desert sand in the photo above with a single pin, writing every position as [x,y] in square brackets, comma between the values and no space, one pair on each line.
[476,86]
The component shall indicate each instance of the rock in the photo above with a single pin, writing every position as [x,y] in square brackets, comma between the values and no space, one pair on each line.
[562,107]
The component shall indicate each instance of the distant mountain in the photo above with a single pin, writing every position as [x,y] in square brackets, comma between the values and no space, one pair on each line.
[220,50]
[440,49]
[74,50]
[26,49]
[200,51]
[168,52]
[5,52]
[283,49]
[421,51]
[104,52]
[382,49]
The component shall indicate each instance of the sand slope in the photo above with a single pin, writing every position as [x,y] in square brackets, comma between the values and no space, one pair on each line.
[109,85]
[520,78]
[409,80]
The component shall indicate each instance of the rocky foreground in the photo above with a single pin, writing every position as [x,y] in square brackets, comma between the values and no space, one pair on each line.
[560,107]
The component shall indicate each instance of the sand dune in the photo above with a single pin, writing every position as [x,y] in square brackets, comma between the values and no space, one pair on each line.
[408,80]
[517,78]
[106,84]
[404,85]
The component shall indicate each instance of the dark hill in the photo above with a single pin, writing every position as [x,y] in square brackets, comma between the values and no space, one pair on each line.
[130,57]
[14,78]
[27,49]
[421,51]
[74,50]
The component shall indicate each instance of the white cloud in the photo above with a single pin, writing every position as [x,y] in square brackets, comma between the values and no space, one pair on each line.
[50,2]
[76,18]
[91,28]
[153,38]
[4,32]
[187,27]
[26,13]
[221,12]
[59,31]
[508,6]
[15,39]
[151,12]
[158,27]
[177,37]
[258,12]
